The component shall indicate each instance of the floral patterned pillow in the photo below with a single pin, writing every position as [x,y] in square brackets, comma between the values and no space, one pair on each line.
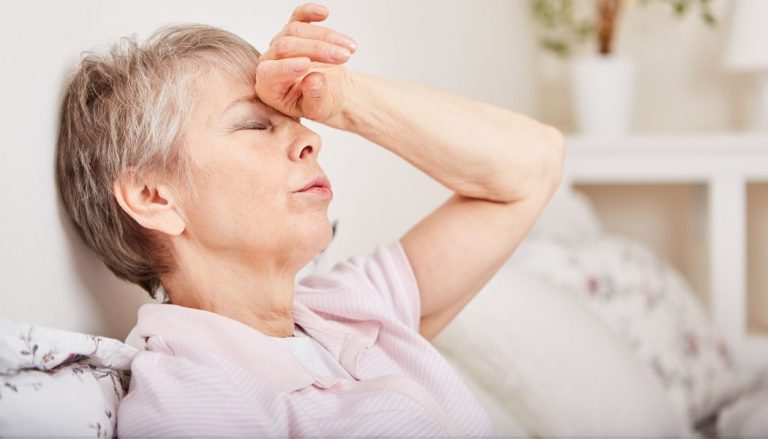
[60,383]
[648,305]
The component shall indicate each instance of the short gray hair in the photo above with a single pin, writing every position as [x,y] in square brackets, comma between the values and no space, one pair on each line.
[124,112]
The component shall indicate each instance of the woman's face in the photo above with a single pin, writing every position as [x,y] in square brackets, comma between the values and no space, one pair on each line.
[252,160]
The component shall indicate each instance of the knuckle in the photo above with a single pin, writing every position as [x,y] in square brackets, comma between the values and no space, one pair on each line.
[282,46]
[327,34]
[293,28]
[275,38]
[319,46]
[263,67]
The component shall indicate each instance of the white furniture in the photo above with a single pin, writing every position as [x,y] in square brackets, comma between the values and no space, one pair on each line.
[747,51]
[725,163]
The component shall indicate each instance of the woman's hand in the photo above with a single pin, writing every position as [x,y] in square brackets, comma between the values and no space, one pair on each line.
[301,74]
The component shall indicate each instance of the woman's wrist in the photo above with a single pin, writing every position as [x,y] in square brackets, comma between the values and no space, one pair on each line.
[347,118]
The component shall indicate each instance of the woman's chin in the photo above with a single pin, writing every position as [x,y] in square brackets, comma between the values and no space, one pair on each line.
[318,237]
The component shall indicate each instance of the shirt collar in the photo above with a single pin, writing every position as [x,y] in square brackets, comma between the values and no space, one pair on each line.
[255,351]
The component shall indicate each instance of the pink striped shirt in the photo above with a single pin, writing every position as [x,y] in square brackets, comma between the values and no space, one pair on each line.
[205,374]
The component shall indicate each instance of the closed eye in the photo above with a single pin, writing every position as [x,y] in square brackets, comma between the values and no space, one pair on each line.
[251,126]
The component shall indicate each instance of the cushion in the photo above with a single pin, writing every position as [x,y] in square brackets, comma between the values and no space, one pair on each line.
[748,415]
[569,217]
[504,421]
[557,369]
[647,304]
[56,382]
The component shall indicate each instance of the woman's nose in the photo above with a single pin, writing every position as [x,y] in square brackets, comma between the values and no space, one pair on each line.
[308,144]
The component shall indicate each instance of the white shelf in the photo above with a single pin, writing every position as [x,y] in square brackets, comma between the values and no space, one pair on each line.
[667,159]
[724,162]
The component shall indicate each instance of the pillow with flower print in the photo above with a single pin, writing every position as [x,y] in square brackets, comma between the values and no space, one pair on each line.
[650,307]
[55,382]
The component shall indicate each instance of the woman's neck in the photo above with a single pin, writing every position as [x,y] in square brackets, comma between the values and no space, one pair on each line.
[260,297]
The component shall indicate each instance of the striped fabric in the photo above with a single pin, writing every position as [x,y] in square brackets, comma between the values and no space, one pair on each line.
[203,374]
[312,355]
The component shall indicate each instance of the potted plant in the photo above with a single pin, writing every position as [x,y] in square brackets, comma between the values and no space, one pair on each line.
[601,82]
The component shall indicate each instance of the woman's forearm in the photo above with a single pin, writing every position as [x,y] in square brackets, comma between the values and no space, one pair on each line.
[473,148]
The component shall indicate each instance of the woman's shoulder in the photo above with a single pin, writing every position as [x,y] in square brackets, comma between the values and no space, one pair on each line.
[173,394]
[380,285]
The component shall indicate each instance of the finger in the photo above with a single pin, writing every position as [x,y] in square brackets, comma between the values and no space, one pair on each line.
[316,32]
[313,90]
[309,12]
[275,76]
[320,51]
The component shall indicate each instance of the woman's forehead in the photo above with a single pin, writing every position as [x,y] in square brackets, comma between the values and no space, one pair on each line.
[248,100]
[222,92]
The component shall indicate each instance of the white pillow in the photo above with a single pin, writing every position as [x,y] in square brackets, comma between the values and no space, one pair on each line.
[650,307]
[569,217]
[60,383]
[504,420]
[554,365]
[748,416]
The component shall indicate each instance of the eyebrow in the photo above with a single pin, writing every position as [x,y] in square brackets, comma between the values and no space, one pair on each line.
[252,99]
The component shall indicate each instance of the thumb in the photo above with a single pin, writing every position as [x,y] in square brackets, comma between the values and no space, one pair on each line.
[313,91]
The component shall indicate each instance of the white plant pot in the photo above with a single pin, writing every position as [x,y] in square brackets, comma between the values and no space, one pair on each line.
[602,92]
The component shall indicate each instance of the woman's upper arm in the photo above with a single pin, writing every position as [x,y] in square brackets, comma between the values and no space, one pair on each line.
[456,250]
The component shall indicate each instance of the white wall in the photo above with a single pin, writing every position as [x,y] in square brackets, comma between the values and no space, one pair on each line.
[482,49]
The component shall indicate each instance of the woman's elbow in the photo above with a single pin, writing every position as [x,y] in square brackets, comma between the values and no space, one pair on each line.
[539,174]
[554,152]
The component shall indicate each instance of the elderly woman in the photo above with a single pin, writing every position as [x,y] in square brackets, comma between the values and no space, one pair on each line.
[184,164]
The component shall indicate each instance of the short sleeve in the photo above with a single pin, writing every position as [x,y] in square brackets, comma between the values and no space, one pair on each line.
[386,274]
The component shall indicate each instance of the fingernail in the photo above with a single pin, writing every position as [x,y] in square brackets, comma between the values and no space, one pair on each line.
[340,53]
[347,42]
[319,10]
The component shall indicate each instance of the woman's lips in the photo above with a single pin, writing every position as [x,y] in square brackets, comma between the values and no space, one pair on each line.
[318,191]
[318,186]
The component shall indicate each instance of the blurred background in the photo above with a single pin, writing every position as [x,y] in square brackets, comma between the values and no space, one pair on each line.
[489,50]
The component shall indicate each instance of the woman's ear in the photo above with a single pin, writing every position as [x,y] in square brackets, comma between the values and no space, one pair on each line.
[153,205]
